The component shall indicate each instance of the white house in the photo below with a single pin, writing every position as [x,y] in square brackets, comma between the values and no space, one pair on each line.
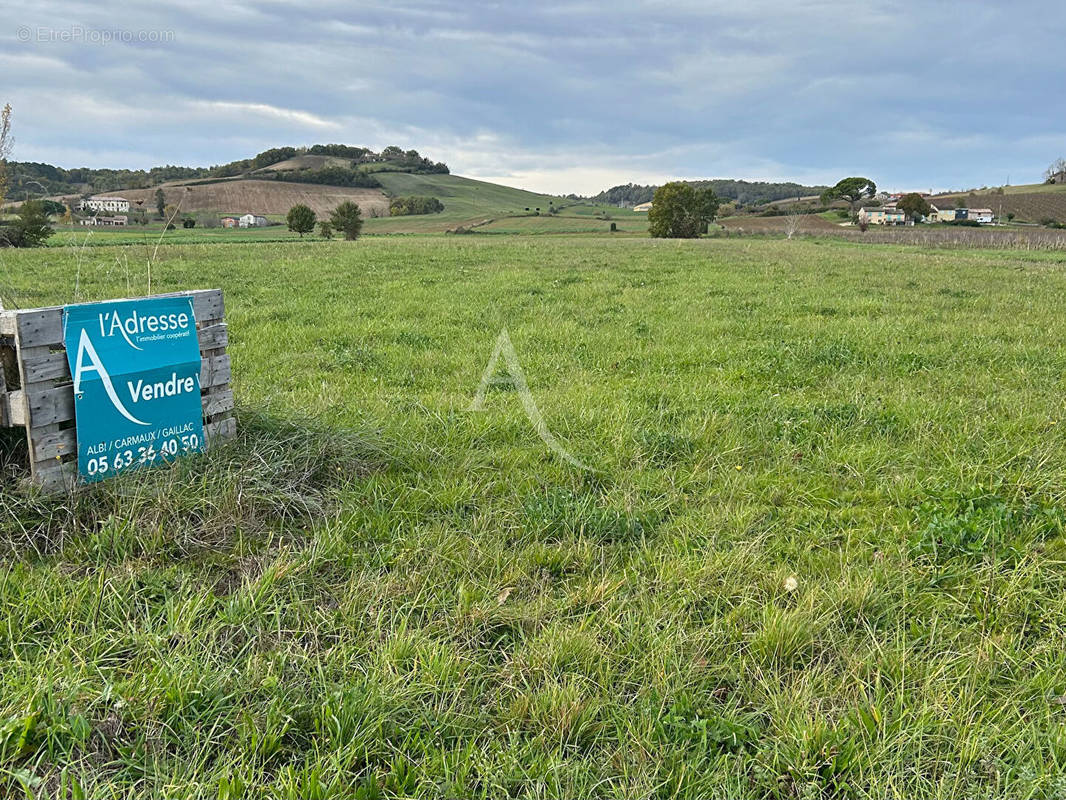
[119,220]
[252,221]
[982,215]
[119,204]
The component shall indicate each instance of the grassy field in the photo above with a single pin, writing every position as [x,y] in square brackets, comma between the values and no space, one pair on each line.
[821,553]
[145,238]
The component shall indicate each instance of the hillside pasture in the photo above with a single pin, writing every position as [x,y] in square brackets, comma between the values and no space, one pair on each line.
[466,202]
[821,554]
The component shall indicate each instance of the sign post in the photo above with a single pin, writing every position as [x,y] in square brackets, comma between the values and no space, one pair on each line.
[136,368]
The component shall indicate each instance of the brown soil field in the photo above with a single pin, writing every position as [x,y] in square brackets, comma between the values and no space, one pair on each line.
[262,197]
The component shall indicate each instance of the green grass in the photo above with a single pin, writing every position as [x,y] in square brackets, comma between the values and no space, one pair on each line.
[75,236]
[405,598]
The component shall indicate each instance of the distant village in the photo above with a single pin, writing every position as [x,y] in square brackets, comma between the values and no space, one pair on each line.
[888,214]
[114,212]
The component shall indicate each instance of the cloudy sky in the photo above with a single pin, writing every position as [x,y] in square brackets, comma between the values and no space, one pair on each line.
[559,97]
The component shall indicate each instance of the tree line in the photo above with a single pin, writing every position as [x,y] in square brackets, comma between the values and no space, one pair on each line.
[742,192]
[414,204]
[28,179]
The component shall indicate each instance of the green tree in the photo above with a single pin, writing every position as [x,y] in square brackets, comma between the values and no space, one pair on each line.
[914,205]
[53,208]
[325,230]
[679,211]
[160,202]
[850,190]
[301,219]
[30,229]
[348,219]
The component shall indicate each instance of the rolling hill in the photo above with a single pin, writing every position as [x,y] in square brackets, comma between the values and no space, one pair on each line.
[467,202]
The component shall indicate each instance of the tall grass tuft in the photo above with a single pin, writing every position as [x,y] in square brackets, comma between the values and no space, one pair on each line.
[275,474]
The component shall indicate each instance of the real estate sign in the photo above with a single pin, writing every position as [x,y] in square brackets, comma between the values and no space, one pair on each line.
[136,368]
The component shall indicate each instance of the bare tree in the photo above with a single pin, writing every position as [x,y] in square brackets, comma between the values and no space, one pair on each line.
[793,220]
[1056,173]
[6,143]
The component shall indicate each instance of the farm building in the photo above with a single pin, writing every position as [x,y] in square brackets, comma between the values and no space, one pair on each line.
[642,207]
[882,216]
[252,221]
[940,214]
[120,204]
[119,220]
[229,222]
[982,215]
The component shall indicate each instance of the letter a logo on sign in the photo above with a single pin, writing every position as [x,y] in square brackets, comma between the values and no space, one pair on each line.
[517,379]
[85,348]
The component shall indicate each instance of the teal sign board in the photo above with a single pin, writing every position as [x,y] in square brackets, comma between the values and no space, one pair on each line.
[136,368]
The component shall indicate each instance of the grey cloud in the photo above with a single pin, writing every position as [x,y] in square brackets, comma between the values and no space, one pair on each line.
[940,95]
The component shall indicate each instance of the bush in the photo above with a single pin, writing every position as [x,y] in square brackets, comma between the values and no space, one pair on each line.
[348,219]
[679,211]
[330,176]
[414,204]
[30,229]
[301,219]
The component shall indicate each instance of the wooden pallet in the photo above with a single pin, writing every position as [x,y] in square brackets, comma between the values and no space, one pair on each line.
[37,390]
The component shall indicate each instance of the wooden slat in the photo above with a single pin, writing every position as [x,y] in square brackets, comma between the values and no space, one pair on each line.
[46,366]
[4,414]
[218,402]
[207,304]
[49,405]
[215,371]
[16,408]
[223,429]
[57,479]
[51,446]
[7,323]
[213,337]
[40,327]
